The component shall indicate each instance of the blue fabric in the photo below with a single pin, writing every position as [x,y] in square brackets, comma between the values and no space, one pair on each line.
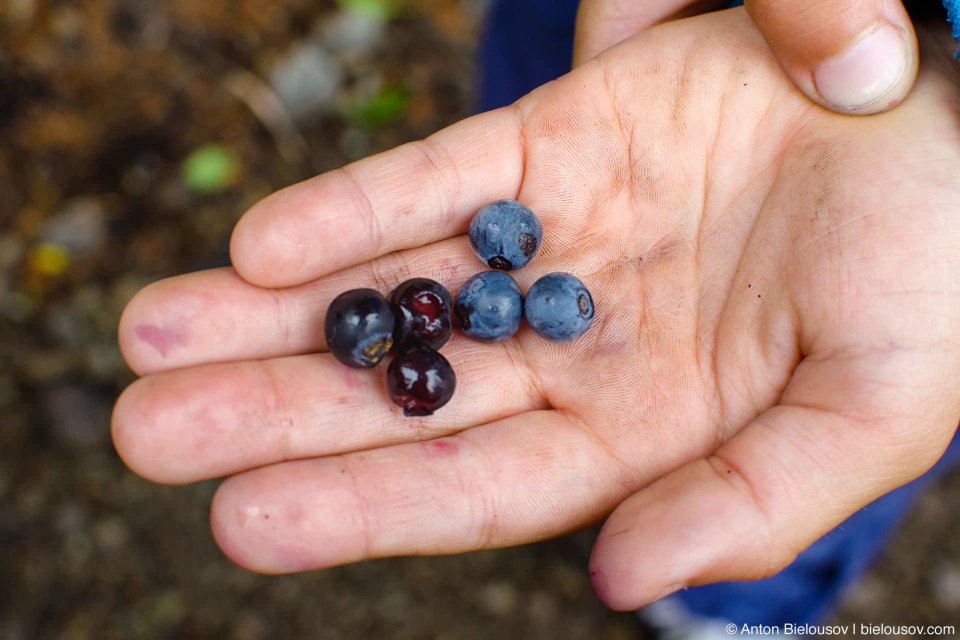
[808,590]
[953,17]
[526,43]
[530,42]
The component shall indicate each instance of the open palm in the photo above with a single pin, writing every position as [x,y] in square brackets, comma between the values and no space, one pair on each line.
[776,291]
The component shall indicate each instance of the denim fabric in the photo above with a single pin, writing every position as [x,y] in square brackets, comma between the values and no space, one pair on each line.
[526,43]
[953,17]
[810,588]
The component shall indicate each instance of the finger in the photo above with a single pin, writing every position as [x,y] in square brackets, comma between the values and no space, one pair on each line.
[521,479]
[415,194]
[846,431]
[219,419]
[217,316]
[855,57]
[603,23]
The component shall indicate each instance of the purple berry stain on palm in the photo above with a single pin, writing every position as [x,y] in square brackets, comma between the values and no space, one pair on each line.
[505,234]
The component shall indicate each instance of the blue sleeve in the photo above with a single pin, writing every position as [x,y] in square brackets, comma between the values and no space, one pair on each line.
[953,17]
[527,43]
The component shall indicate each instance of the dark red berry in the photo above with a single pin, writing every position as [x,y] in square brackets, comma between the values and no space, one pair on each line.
[420,381]
[421,309]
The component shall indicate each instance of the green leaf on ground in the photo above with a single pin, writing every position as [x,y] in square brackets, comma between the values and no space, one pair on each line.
[386,107]
[379,9]
[211,168]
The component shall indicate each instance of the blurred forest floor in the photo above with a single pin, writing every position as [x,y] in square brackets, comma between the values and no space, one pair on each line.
[133,134]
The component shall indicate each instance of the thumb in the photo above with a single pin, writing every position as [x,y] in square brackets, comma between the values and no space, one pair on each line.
[855,57]
[844,433]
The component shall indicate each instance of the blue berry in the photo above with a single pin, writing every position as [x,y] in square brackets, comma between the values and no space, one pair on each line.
[421,381]
[489,307]
[359,328]
[421,307]
[505,234]
[559,307]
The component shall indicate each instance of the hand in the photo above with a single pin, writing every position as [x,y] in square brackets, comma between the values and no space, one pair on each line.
[856,57]
[777,292]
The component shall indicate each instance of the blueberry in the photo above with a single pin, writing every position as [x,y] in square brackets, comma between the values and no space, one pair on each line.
[505,234]
[559,307]
[489,307]
[421,308]
[421,381]
[359,328]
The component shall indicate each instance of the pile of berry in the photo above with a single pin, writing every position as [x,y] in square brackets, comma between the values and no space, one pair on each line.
[361,326]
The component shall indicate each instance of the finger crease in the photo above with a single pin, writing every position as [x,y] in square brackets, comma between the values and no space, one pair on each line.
[284,320]
[283,422]
[362,507]
[733,476]
[367,210]
[438,159]
[531,377]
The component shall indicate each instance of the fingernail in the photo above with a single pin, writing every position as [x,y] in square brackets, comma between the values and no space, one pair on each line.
[865,71]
